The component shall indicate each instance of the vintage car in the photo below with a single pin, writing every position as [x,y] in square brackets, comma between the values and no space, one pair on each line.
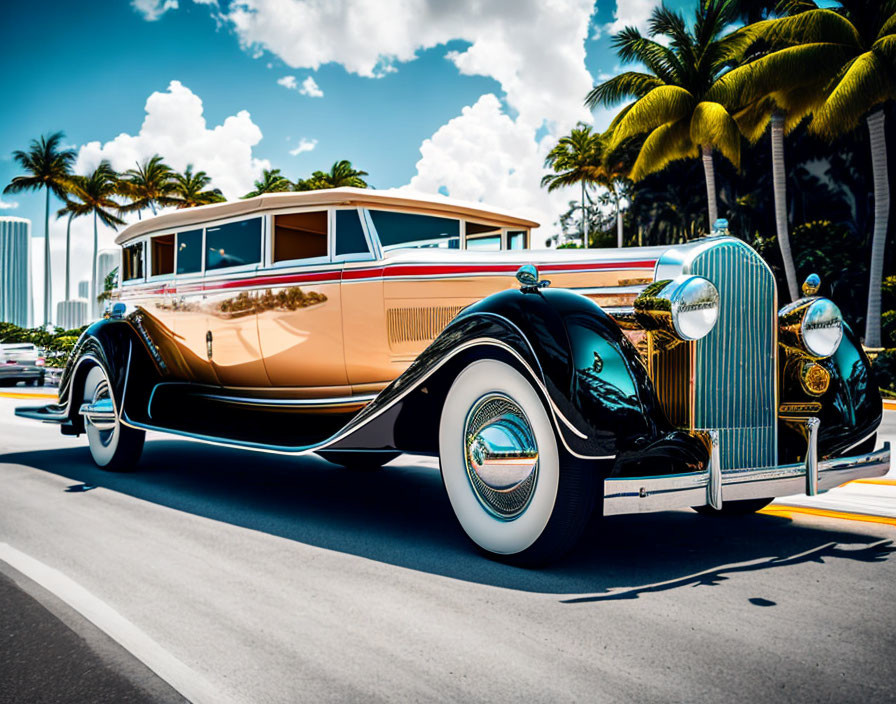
[360,324]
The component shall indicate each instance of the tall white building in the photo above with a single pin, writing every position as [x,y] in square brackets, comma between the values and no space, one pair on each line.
[84,289]
[106,261]
[15,271]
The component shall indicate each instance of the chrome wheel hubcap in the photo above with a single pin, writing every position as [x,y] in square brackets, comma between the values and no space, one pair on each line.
[101,412]
[501,456]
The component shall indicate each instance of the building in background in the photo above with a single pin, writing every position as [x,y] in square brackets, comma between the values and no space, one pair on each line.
[84,289]
[15,271]
[107,260]
[71,314]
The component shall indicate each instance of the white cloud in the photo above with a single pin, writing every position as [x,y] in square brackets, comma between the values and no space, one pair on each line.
[8,205]
[311,89]
[543,80]
[309,86]
[175,127]
[304,145]
[485,155]
[153,9]
[288,82]
[631,13]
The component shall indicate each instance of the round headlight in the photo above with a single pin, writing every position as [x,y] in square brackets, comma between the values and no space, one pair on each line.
[822,328]
[695,307]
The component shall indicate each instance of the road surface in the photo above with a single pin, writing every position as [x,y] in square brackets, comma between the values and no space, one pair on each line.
[228,576]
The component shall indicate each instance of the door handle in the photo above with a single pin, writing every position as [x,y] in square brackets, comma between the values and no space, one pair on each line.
[208,343]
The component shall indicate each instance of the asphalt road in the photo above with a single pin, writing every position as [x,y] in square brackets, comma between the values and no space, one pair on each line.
[258,578]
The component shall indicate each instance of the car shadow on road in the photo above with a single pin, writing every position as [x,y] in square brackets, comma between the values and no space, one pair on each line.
[400,515]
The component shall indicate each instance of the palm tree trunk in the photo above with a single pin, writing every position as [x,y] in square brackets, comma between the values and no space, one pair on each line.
[68,249]
[48,289]
[710,171]
[584,219]
[881,216]
[93,291]
[780,189]
[618,221]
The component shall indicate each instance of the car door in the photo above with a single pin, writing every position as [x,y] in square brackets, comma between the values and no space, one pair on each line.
[230,300]
[300,307]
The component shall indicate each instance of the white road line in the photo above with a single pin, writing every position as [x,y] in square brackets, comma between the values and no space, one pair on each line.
[189,683]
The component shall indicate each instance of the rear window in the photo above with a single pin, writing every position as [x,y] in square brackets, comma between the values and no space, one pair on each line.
[132,262]
[409,230]
[233,244]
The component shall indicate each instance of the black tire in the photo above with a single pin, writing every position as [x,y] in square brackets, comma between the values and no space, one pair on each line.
[550,502]
[358,461]
[116,448]
[735,508]
[42,379]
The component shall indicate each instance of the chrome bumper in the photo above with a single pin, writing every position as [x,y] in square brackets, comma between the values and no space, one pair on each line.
[713,487]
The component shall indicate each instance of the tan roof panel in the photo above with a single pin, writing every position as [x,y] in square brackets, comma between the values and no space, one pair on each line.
[271,202]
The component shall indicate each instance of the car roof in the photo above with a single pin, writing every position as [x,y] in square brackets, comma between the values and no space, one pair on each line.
[362,197]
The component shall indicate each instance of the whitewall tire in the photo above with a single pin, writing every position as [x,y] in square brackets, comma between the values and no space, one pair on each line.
[113,446]
[517,494]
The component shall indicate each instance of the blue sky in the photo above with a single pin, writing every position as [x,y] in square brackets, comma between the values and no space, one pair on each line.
[445,97]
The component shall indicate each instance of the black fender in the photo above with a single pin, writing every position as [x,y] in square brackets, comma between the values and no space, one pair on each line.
[123,349]
[604,407]
[851,408]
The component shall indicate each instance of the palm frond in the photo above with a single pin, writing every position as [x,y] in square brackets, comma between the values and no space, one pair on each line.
[664,145]
[712,124]
[825,26]
[864,85]
[661,105]
[630,84]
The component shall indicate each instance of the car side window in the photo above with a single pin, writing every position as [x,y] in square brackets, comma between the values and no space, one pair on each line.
[233,244]
[189,252]
[349,233]
[412,231]
[300,236]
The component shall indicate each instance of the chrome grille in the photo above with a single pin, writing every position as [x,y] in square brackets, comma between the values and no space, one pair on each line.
[736,371]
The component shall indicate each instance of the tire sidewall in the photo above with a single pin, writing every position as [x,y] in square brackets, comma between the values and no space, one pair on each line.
[492,534]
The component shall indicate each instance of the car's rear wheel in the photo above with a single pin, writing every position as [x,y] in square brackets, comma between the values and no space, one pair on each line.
[517,495]
[735,508]
[358,461]
[114,447]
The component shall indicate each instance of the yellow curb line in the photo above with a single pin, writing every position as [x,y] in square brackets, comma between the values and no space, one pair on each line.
[787,511]
[889,404]
[882,482]
[11,394]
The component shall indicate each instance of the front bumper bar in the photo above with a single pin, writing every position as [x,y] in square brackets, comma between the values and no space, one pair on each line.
[713,487]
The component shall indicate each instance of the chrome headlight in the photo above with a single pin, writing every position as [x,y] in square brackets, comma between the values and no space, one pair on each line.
[687,307]
[822,328]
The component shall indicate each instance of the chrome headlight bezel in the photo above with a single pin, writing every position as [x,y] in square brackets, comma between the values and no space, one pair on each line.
[821,328]
[686,307]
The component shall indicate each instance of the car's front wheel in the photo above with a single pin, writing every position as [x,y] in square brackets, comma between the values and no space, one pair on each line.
[517,495]
[113,446]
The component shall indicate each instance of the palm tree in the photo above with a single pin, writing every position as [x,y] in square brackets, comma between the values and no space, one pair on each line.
[95,192]
[47,165]
[188,189]
[672,107]
[340,175]
[575,159]
[850,52]
[271,181]
[73,208]
[147,186]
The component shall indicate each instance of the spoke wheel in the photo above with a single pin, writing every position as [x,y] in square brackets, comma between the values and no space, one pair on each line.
[113,446]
